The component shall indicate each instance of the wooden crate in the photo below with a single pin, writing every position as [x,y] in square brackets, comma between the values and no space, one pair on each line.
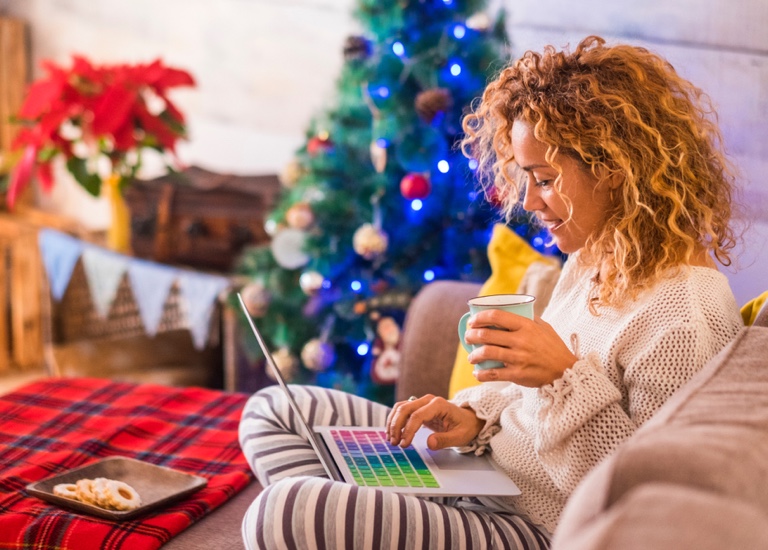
[21,331]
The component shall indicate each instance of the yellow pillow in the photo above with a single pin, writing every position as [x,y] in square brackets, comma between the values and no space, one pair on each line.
[510,257]
[752,308]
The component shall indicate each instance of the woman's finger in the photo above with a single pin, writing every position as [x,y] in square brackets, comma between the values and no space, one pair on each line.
[400,415]
[434,408]
[498,318]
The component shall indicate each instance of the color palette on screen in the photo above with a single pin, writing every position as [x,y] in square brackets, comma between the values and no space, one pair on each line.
[374,462]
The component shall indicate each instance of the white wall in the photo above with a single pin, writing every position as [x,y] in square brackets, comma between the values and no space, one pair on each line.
[264,68]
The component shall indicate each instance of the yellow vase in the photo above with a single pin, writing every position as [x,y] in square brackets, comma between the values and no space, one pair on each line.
[119,231]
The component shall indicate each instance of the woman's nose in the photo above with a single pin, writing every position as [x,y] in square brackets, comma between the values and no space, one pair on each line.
[531,199]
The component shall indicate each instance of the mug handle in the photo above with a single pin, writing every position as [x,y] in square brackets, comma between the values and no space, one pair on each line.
[463,329]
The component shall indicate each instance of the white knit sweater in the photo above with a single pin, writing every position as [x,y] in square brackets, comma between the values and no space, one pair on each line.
[632,359]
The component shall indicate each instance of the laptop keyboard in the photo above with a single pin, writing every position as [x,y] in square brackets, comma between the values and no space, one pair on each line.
[374,462]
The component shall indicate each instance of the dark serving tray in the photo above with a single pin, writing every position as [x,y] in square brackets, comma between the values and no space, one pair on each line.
[157,485]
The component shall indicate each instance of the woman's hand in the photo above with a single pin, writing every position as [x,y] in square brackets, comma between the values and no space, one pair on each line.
[454,426]
[532,352]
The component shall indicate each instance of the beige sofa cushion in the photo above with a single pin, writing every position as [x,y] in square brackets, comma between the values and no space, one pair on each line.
[658,516]
[703,456]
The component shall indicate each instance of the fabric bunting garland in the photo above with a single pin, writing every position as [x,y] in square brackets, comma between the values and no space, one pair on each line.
[150,282]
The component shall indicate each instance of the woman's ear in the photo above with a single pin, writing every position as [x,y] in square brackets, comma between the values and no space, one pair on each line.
[615,180]
[612,178]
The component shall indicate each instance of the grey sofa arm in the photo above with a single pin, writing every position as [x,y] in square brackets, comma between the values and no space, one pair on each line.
[430,337]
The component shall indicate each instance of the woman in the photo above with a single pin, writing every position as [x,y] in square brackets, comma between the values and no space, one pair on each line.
[613,153]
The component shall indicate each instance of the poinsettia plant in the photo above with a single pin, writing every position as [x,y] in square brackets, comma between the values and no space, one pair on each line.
[99,118]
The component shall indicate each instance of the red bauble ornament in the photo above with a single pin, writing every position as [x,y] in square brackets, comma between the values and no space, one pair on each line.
[319,144]
[415,186]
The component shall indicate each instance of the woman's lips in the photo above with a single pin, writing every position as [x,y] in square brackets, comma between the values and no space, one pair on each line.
[552,225]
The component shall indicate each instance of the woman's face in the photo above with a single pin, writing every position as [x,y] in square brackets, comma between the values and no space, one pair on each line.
[589,198]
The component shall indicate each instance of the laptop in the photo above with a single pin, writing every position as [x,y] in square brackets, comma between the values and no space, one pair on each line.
[363,456]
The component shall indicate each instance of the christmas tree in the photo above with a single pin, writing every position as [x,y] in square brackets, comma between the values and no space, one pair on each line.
[379,201]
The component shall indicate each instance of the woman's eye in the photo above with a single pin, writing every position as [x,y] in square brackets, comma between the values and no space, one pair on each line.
[543,183]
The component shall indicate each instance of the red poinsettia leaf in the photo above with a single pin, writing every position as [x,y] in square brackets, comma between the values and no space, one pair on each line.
[84,69]
[125,137]
[149,73]
[161,77]
[174,113]
[123,74]
[175,77]
[21,174]
[153,126]
[112,110]
[45,175]
[40,96]
[49,125]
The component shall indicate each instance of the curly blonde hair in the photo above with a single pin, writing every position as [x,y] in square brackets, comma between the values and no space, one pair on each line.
[620,110]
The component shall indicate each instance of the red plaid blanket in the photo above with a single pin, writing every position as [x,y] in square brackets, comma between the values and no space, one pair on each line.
[51,426]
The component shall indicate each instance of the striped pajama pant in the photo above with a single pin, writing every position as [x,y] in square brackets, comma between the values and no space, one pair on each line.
[301,508]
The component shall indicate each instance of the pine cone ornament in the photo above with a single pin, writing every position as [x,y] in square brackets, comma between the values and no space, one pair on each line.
[430,103]
[357,48]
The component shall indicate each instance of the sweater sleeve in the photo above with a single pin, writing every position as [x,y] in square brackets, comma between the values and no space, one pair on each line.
[581,418]
[488,401]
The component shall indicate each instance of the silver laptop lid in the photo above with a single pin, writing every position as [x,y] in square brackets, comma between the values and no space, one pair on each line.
[311,436]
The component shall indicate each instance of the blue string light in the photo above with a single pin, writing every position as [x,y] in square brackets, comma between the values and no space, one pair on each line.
[429,275]
[398,49]
[459,31]
[443,166]
[362,349]
[416,205]
[356,286]
[473,164]
[455,69]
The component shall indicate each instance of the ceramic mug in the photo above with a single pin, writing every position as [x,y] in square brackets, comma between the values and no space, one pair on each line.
[520,304]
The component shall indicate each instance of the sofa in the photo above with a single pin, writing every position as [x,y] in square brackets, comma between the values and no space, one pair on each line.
[694,476]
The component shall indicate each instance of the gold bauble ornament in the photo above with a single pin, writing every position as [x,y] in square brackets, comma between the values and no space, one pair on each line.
[286,362]
[300,216]
[290,174]
[317,355]
[257,298]
[311,282]
[369,241]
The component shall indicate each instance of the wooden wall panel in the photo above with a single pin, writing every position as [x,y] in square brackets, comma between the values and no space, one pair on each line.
[13,75]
